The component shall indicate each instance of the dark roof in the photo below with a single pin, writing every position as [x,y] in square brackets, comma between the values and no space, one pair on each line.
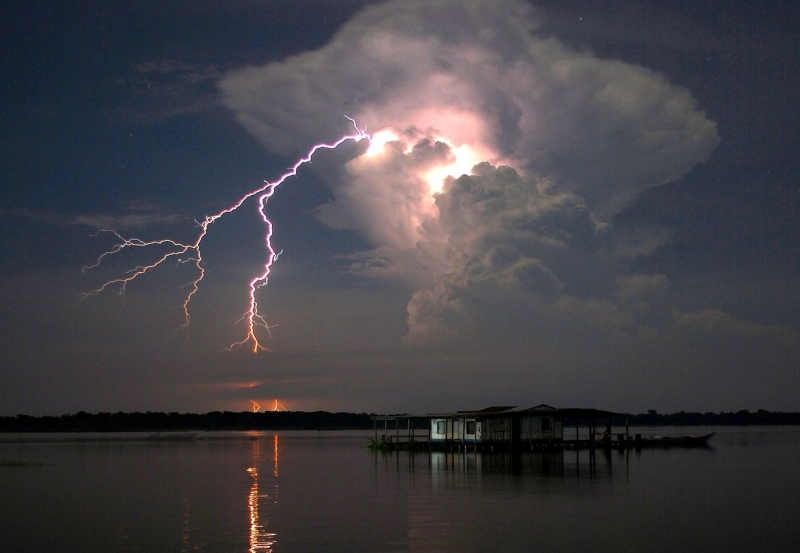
[495,409]
[571,412]
[500,410]
[542,407]
[582,413]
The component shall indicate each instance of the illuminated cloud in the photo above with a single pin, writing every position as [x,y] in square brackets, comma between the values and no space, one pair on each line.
[479,74]
[560,139]
[515,243]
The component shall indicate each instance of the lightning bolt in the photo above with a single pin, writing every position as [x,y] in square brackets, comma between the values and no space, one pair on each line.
[278,407]
[256,406]
[191,252]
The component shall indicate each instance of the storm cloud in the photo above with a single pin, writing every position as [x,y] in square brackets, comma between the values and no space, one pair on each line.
[563,138]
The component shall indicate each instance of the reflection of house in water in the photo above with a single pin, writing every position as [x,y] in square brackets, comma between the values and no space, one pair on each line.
[547,463]
[500,428]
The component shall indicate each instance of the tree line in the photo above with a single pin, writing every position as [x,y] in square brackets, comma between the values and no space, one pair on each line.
[322,420]
[215,420]
[738,418]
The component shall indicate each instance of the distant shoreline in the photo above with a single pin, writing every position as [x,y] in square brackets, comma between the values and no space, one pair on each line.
[324,420]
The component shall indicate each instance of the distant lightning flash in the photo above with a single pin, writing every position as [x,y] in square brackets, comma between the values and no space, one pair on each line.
[191,253]
[278,407]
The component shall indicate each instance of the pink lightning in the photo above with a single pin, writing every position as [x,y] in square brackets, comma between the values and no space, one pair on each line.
[252,317]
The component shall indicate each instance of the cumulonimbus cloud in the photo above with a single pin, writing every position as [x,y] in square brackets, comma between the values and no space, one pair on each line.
[562,141]
[478,73]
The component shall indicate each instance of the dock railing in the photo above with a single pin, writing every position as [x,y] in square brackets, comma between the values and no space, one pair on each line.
[401,429]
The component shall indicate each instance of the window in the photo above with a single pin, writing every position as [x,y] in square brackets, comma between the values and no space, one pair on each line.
[470,427]
[440,427]
[546,424]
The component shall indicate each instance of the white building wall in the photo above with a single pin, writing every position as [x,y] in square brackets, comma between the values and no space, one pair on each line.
[438,429]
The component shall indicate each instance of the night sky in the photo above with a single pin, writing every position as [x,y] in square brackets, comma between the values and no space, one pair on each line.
[581,203]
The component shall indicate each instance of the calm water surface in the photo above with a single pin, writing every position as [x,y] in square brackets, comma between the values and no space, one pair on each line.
[322,491]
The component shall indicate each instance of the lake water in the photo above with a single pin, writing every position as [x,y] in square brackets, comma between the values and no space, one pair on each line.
[323,491]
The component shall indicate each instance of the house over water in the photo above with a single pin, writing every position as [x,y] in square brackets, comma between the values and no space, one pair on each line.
[501,427]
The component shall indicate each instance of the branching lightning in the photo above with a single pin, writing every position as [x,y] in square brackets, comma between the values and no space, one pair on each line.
[278,406]
[191,252]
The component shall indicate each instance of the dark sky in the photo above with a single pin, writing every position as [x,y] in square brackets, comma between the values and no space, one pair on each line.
[629,241]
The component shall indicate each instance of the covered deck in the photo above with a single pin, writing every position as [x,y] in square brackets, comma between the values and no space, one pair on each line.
[503,428]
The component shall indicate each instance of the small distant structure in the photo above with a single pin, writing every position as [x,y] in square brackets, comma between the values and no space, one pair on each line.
[502,428]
